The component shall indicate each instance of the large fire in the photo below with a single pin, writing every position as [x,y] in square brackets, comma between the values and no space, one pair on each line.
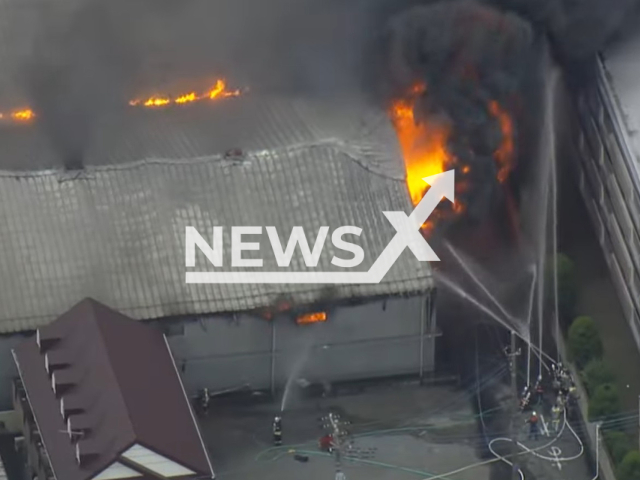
[424,146]
[218,91]
[425,151]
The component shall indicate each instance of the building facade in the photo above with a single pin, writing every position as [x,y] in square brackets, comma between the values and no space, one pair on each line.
[609,178]
[116,233]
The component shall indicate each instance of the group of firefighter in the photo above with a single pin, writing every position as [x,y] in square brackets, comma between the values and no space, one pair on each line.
[563,399]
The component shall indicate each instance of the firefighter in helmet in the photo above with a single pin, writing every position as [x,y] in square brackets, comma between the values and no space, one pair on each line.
[205,401]
[277,431]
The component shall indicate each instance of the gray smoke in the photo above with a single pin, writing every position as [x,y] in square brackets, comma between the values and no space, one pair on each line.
[578,28]
[92,57]
[77,74]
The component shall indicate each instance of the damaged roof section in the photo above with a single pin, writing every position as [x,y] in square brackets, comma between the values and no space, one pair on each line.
[117,232]
[112,404]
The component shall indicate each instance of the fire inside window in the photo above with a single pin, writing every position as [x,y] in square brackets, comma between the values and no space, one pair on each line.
[311,318]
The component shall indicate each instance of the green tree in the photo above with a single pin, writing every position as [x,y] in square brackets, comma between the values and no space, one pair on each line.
[596,373]
[567,286]
[618,443]
[584,341]
[604,402]
[629,468]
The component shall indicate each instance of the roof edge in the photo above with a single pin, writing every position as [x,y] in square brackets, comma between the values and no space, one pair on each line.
[193,418]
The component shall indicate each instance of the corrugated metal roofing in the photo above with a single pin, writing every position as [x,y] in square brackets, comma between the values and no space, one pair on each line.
[116,232]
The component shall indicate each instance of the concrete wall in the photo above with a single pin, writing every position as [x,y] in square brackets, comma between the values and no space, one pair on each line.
[375,339]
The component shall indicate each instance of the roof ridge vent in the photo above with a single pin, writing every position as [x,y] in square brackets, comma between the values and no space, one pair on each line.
[87,452]
[70,405]
[55,360]
[46,339]
[62,380]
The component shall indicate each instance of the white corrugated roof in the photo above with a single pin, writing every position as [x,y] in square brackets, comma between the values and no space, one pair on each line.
[116,232]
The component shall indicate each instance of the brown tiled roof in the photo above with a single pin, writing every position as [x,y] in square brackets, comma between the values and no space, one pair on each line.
[122,375]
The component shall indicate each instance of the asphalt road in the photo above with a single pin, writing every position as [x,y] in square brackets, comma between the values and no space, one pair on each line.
[397,432]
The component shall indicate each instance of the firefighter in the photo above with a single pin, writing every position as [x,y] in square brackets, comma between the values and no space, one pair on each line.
[556,412]
[572,400]
[526,398]
[533,426]
[277,431]
[539,391]
[205,400]
[573,392]
[326,443]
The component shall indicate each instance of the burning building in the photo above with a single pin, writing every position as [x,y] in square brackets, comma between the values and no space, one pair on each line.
[115,232]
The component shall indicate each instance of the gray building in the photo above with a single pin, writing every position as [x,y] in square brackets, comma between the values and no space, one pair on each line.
[609,167]
[115,232]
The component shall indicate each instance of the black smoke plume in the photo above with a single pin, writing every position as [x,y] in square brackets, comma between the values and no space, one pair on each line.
[89,60]
[470,54]
[470,57]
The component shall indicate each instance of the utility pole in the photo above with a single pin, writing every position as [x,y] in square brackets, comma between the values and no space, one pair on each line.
[511,357]
[337,434]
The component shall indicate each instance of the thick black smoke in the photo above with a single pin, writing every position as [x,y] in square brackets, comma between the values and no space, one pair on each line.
[472,59]
[470,54]
[87,62]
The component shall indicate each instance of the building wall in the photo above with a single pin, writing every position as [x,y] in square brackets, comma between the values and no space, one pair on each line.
[376,339]
[611,189]
[7,369]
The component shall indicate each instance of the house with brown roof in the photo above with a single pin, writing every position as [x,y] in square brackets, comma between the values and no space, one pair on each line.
[101,399]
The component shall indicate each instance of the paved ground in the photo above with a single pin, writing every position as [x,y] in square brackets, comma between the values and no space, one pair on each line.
[398,431]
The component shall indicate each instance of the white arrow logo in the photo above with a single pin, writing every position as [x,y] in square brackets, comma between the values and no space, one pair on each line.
[407,236]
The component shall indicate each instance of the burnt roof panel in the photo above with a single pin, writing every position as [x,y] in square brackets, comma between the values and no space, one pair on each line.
[116,233]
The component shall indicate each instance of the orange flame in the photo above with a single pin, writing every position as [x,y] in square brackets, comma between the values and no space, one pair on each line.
[424,146]
[23,115]
[424,150]
[157,101]
[504,154]
[187,98]
[220,90]
[311,318]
